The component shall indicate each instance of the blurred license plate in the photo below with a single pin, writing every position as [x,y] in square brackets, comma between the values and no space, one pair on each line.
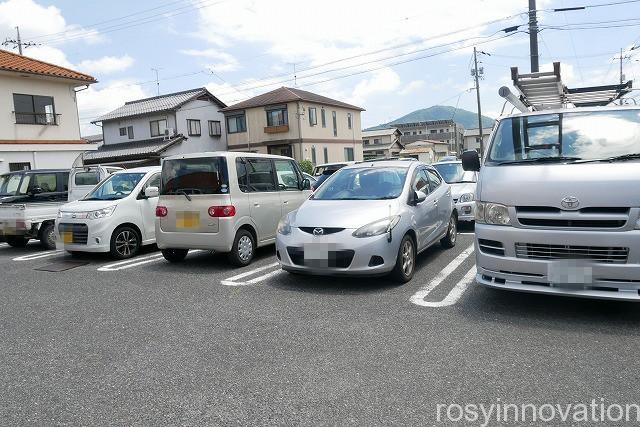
[67,237]
[570,272]
[188,219]
[317,254]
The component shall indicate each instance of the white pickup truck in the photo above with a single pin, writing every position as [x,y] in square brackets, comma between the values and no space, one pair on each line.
[30,199]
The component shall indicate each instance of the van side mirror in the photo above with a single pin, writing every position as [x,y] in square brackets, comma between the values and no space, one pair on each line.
[471,161]
[152,192]
[306,184]
[419,197]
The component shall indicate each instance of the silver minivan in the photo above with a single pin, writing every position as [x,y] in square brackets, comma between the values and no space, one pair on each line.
[228,202]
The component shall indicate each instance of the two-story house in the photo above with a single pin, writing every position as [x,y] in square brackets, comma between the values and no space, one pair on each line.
[141,132]
[381,143]
[296,123]
[39,127]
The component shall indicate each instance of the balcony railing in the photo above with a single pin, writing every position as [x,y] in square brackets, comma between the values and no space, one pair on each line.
[276,129]
[29,118]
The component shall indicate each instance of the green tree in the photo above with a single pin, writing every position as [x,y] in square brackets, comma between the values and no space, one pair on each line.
[306,166]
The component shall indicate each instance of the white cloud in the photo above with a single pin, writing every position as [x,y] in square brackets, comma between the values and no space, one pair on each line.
[225,61]
[106,64]
[411,87]
[49,54]
[381,81]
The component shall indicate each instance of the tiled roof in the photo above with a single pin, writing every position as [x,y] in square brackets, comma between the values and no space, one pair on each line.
[136,150]
[10,61]
[379,132]
[43,141]
[288,94]
[168,102]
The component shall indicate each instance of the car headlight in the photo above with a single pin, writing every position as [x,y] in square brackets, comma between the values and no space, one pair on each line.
[284,226]
[466,197]
[492,213]
[377,228]
[101,213]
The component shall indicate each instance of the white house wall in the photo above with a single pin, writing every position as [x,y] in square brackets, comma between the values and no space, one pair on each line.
[45,156]
[203,111]
[141,128]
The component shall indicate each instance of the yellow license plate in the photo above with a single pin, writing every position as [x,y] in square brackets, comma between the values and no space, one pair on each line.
[67,237]
[187,219]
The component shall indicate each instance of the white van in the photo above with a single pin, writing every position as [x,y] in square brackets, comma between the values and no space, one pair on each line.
[117,216]
[224,201]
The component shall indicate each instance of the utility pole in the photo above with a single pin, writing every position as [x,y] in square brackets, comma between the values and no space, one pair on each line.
[17,42]
[533,36]
[476,75]
[157,80]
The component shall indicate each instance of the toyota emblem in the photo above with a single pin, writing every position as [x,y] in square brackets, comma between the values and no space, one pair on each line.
[318,231]
[570,202]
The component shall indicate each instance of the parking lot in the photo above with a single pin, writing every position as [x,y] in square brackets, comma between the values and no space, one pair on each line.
[147,342]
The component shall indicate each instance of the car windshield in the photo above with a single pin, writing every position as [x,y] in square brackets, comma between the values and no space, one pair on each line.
[363,184]
[116,187]
[10,184]
[453,173]
[201,175]
[566,137]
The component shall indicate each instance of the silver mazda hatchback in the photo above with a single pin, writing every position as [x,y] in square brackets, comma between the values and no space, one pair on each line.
[370,218]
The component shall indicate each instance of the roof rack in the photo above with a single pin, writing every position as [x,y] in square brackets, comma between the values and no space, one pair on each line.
[545,90]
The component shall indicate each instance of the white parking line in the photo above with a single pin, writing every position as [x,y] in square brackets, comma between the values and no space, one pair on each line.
[135,262]
[2,245]
[232,281]
[418,297]
[36,255]
[454,295]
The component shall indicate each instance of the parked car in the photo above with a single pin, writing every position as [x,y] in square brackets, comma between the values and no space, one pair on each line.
[558,203]
[117,216]
[312,179]
[30,199]
[369,219]
[463,187]
[319,169]
[322,178]
[229,202]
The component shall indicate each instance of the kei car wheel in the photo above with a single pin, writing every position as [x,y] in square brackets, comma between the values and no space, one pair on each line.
[449,240]
[406,261]
[125,243]
[243,249]
[48,237]
[175,255]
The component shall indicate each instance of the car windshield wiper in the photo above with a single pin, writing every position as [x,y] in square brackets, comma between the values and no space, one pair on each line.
[558,159]
[622,158]
[90,198]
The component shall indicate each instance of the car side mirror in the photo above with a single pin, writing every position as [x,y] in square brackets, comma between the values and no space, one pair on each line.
[306,184]
[419,196]
[152,192]
[471,161]
[35,190]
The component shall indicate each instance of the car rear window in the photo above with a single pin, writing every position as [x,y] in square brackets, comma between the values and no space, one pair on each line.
[201,175]
[87,178]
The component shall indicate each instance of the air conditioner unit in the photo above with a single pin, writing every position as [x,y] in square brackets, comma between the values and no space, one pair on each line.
[169,133]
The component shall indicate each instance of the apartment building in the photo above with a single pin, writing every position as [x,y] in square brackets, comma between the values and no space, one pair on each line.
[472,138]
[381,143]
[296,123]
[435,130]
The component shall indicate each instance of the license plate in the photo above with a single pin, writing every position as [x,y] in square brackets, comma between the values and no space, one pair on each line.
[188,219]
[570,272]
[317,254]
[67,237]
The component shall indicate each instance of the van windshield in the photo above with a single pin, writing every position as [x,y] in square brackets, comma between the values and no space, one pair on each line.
[567,137]
[363,184]
[202,175]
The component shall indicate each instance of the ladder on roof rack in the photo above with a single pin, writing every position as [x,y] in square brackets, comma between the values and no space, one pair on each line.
[544,90]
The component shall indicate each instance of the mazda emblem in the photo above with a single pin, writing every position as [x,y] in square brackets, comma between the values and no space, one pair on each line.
[570,202]
[318,231]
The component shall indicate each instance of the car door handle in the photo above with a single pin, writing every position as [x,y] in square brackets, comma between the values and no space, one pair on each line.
[257,205]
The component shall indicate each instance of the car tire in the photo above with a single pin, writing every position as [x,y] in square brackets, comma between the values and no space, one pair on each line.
[175,255]
[243,249]
[406,260]
[449,240]
[48,236]
[125,243]
[17,241]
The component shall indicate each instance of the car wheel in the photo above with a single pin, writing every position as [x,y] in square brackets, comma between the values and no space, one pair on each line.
[125,243]
[17,241]
[243,249]
[175,255]
[48,237]
[406,261]
[449,240]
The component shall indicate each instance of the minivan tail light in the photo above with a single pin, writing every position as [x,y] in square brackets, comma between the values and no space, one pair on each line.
[161,211]
[222,211]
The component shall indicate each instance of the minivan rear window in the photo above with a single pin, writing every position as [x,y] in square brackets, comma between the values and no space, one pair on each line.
[201,175]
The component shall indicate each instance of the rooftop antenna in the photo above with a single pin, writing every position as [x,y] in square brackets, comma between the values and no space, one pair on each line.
[17,42]
[157,80]
[295,76]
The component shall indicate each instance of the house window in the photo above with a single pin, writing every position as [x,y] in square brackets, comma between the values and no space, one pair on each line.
[420,132]
[130,132]
[349,122]
[34,109]
[348,154]
[313,116]
[123,131]
[323,118]
[23,166]
[414,132]
[433,131]
[325,151]
[407,133]
[313,155]
[277,116]
[193,127]
[335,123]
[366,141]
[236,124]
[214,128]
[441,130]
[376,141]
[158,127]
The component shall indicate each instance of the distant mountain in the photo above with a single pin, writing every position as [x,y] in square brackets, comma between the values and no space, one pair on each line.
[466,118]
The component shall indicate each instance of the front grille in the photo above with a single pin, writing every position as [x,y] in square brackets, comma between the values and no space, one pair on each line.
[325,230]
[603,254]
[491,247]
[79,232]
[336,259]
[572,223]
[588,217]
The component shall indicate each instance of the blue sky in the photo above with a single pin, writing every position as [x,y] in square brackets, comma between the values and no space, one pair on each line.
[347,50]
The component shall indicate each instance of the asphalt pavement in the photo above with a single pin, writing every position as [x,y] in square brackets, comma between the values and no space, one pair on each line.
[145,342]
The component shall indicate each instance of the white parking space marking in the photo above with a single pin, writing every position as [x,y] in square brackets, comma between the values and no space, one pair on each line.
[455,293]
[3,245]
[418,297]
[37,255]
[234,280]
[135,262]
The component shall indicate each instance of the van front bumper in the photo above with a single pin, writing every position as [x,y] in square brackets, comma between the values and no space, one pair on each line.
[616,281]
